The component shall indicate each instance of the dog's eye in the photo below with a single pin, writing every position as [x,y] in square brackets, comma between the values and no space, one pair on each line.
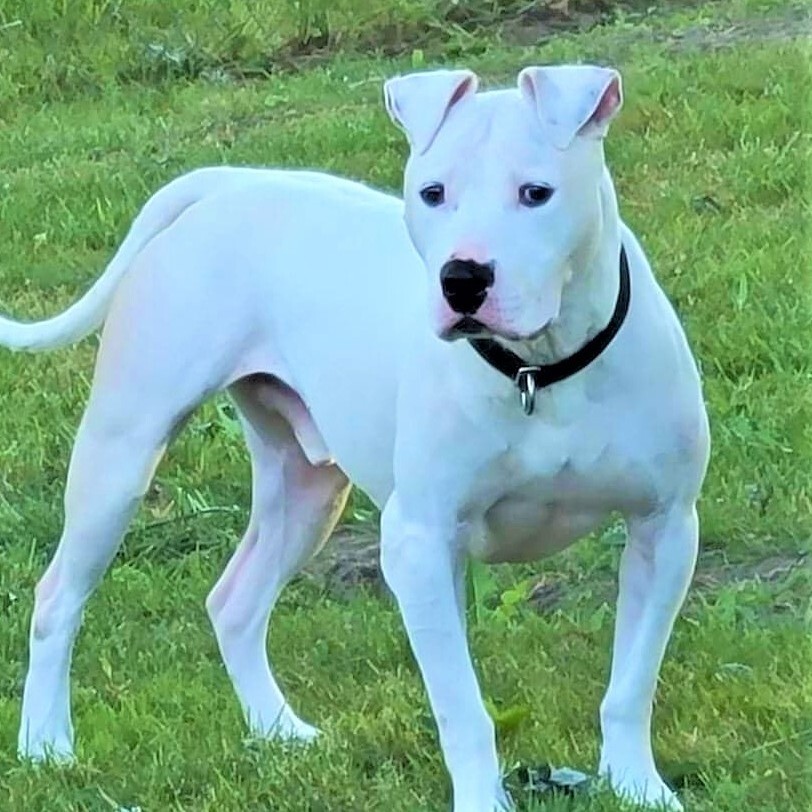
[534,194]
[433,194]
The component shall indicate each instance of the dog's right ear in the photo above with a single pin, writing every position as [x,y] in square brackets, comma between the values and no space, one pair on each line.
[419,102]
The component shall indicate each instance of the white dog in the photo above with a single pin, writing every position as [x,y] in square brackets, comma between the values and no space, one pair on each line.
[498,374]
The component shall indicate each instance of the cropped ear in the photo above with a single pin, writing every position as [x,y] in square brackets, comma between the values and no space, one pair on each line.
[419,102]
[573,100]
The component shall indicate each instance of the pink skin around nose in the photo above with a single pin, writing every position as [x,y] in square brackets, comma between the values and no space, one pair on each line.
[473,251]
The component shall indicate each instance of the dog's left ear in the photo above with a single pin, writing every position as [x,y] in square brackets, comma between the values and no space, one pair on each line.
[573,100]
[419,102]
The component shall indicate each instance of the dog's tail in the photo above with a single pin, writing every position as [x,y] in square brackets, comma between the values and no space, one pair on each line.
[88,313]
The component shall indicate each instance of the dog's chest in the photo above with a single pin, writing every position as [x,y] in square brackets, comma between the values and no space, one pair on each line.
[556,486]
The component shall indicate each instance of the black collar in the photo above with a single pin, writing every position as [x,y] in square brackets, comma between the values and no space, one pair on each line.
[529,378]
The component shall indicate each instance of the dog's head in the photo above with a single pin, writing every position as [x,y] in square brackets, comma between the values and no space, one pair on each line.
[502,189]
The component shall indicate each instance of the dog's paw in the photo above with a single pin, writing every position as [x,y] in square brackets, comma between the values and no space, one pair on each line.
[292,729]
[498,802]
[58,750]
[644,789]
[286,727]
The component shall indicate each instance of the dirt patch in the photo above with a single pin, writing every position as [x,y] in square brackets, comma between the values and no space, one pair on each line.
[537,22]
[456,26]
[794,22]
[773,569]
[450,23]
[791,23]
[557,590]
[350,562]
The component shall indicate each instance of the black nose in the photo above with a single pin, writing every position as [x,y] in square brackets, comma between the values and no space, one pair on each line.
[465,284]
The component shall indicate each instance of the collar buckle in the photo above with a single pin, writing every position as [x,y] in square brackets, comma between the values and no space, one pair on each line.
[525,381]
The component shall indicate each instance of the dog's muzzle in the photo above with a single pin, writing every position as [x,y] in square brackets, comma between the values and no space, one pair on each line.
[465,284]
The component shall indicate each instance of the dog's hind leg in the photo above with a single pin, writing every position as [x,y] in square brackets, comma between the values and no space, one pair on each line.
[150,374]
[295,505]
[110,469]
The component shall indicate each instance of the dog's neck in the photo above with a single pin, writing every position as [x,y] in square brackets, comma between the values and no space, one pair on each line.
[589,297]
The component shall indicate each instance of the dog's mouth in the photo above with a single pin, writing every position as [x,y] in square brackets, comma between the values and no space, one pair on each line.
[468,327]
[471,327]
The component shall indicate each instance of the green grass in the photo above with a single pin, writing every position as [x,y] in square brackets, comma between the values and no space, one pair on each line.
[710,156]
[63,49]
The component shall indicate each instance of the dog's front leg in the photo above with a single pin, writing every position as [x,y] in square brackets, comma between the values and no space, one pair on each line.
[655,571]
[422,562]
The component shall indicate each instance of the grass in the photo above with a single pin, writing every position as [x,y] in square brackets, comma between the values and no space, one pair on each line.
[710,157]
[82,47]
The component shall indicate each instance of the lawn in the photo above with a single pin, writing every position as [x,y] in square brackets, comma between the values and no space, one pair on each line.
[101,102]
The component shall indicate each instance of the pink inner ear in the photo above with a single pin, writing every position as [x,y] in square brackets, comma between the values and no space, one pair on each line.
[610,101]
[461,90]
[528,89]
